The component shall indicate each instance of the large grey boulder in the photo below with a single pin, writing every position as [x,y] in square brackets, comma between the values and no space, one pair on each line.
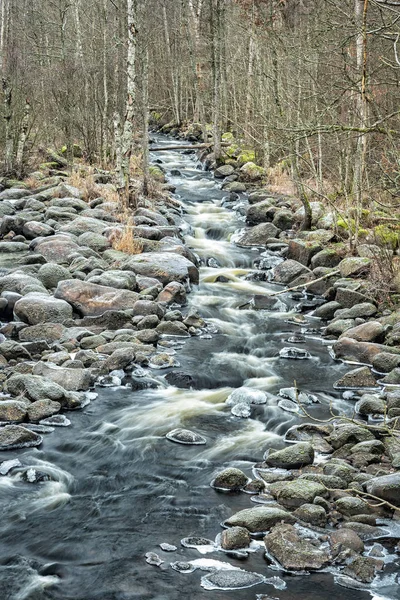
[82,225]
[289,270]
[21,283]
[259,519]
[260,212]
[295,456]
[115,279]
[16,436]
[258,235]
[51,274]
[164,266]
[292,494]
[35,229]
[90,299]
[37,308]
[72,380]
[293,552]
[386,487]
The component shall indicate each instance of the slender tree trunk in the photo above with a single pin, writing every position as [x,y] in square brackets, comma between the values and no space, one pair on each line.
[22,138]
[217,33]
[128,128]
[104,141]
[172,67]
[9,146]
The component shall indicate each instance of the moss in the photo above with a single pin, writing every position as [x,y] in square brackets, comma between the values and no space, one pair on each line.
[233,151]
[387,236]
[247,156]
[228,137]
[10,183]
[155,116]
[157,173]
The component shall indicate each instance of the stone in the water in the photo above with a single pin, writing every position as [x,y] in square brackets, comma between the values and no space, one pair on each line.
[168,547]
[277,582]
[230,479]
[15,436]
[246,395]
[31,475]
[163,361]
[8,465]
[185,436]
[183,567]
[297,396]
[294,353]
[231,579]
[56,421]
[293,552]
[242,410]
[153,559]
[289,405]
[197,542]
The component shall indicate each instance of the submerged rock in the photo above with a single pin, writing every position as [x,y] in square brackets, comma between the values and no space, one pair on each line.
[153,559]
[294,353]
[246,395]
[363,568]
[185,436]
[227,579]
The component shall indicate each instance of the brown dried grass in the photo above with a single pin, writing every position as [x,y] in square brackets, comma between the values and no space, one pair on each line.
[124,241]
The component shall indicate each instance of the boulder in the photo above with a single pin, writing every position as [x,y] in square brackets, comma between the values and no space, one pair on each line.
[364,310]
[115,279]
[49,332]
[20,283]
[293,552]
[370,404]
[173,292]
[37,308]
[90,299]
[12,410]
[42,409]
[235,538]
[95,241]
[326,311]
[317,211]
[260,213]
[289,270]
[258,235]
[223,171]
[350,350]
[292,494]
[295,456]
[16,436]
[356,379]
[339,327]
[384,362]
[251,172]
[283,219]
[302,251]
[386,487]
[350,506]
[230,479]
[35,229]
[57,248]
[82,225]
[259,519]
[69,379]
[311,513]
[348,297]
[325,258]
[51,274]
[349,433]
[346,538]
[363,568]
[13,351]
[164,266]
[372,331]
[354,266]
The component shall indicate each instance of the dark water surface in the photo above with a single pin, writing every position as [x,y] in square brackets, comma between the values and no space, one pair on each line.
[120,488]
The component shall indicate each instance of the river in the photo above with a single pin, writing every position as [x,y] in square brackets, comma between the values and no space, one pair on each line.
[119,488]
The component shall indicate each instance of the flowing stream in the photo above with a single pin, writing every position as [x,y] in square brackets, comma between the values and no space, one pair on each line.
[119,488]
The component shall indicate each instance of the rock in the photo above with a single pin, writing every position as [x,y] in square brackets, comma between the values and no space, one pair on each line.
[259,519]
[82,225]
[51,274]
[330,481]
[20,283]
[42,409]
[314,434]
[251,172]
[350,506]
[35,308]
[346,538]
[164,266]
[173,292]
[12,410]
[392,378]
[373,331]
[292,494]
[364,310]
[317,211]
[325,258]
[90,299]
[230,479]
[311,513]
[35,229]
[231,579]
[283,219]
[327,310]
[339,326]
[349,433]
[356,379]
[354,266]
[384,362]
[147,307]
[115,279]
[302,251]
[235,538]
[185,436]
[386,487]
[289,270]
[12,350]
[295,456]
[95,241]
[14,194]
[350,350]
[369,404]
[292,552]
[172,328]
[16,436]
[69,379]
[341,469]
[50,332]
[234,187]
[258,235]
[348,297]
[120,359]
[57,248]
[246,395]
[259,213]
[34,387]
[223,171]
[363,568]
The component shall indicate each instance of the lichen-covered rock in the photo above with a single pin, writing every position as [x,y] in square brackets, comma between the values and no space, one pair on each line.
[251,172]
[350,506]
[90,299]
[235,538]
[293,457]
[303,251]
[37,308]
[356,379]
[164,266]
[258,235]
[289,270]
[346,538]
[12,410]
[260,213]
[115,279]
[363,310]
[51,274]
[311,513]
[354,266]
[363,568]
[230,479]
[386,487]
[292,494]
[372,331]
[42,409]
[259,519]
[384,362]
[349,433]
[16,436]
[293,552]
[71,380]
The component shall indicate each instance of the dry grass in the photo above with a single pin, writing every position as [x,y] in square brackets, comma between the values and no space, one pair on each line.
[32,183]
[280,181]
[124,241]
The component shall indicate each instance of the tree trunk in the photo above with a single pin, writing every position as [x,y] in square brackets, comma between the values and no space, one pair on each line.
[22,138]
[217,14]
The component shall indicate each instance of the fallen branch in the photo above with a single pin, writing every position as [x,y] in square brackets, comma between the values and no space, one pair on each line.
[304,285]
